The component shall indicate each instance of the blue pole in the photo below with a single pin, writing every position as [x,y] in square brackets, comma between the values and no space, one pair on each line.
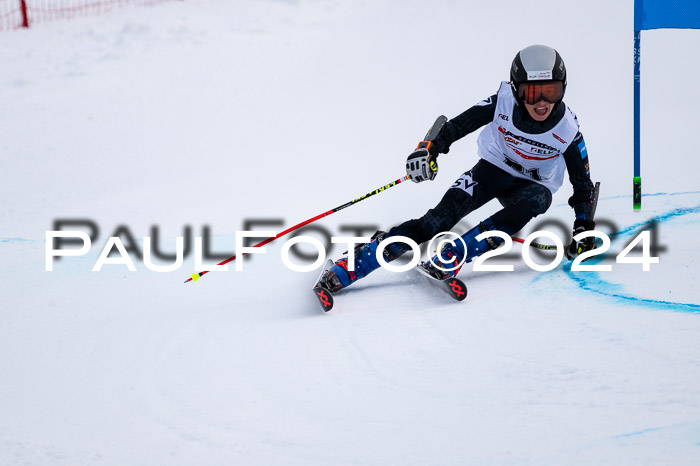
[637,181]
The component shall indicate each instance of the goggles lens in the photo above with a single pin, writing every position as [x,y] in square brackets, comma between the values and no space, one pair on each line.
[551,92]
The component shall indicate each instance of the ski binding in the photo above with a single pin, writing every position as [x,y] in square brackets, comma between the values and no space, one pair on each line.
[453,286]
[322,294]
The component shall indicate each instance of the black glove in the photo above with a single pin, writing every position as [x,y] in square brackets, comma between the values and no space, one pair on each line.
[422,165]
[587,244]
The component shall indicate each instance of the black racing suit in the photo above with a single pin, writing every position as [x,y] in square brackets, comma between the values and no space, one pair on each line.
[521,199]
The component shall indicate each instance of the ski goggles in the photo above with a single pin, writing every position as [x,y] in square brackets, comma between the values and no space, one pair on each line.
[551,92]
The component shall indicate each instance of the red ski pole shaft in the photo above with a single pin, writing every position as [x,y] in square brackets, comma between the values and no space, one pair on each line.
[195,276]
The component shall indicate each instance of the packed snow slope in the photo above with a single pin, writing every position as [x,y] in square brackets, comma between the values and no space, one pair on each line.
[202,114]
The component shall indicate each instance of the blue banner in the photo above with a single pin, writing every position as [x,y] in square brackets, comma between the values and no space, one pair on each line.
[657,14]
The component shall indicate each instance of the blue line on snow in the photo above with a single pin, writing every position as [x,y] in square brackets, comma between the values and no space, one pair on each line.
[660,218]
[652,195]
[597,285]
[17,240]
[591,281]
[641,432]
[684,425]
[629,196]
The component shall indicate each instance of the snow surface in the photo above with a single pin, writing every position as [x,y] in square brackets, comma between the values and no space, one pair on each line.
[210,113]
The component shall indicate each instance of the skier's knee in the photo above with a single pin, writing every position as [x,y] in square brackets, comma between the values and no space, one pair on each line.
[538,203]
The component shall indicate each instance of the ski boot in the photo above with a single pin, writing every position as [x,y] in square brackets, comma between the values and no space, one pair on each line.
[338,276]
[454,254]
[439,270]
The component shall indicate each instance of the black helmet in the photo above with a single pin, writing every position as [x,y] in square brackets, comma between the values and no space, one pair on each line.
[538,64]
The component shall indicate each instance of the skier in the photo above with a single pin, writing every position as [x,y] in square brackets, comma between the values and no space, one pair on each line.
[531,138]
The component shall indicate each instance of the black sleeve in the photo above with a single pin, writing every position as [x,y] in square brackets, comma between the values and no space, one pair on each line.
[576,158]
[469,121]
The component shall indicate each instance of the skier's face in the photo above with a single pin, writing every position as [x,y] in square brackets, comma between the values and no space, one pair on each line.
[539,111]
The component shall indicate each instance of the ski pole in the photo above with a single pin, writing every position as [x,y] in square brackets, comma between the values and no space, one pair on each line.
[546,247]
[195,276]
[551,247]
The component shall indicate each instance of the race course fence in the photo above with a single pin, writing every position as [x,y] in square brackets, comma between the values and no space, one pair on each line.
[15,14]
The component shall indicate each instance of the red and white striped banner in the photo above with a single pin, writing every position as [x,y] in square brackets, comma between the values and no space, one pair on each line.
[17,13]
